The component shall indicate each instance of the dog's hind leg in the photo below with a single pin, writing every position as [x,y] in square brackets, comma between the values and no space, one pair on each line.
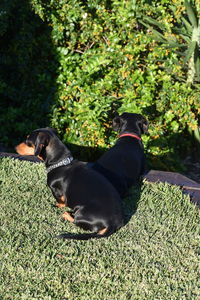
[67,217]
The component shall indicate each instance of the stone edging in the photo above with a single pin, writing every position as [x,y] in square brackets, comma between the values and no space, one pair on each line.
[188,185]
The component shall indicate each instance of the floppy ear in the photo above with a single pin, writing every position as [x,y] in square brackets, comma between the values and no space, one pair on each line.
[52,129]
[41,142]
[144,125]
[117,123]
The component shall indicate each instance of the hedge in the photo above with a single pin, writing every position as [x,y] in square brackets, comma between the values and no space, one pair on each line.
[109,60]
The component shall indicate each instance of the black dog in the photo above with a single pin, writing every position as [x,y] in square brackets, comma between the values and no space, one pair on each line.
[124,163]
[95,203]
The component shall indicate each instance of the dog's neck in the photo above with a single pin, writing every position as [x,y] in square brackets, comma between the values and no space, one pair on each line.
[57,154]
[61,163]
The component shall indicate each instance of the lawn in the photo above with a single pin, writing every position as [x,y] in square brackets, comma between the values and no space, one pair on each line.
[154,256]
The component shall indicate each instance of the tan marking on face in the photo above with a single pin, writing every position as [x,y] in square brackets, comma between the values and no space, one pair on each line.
[23,149]
[102,231]
[61,202]
[67,217]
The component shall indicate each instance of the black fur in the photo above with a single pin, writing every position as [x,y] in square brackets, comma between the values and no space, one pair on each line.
[94,202]
[124,163]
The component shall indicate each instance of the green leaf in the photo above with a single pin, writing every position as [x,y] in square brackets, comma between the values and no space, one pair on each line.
[197,64]
[159,36]
[174,44]
[185,38]
[191,14]
[197,134]
[187,25]
[154,22]
[190,51]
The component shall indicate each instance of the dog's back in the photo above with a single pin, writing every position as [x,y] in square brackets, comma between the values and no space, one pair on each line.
[124,164]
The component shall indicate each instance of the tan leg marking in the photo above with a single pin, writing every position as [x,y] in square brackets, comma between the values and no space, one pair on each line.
[102,231]
[61,202]
[23,149]
[67,217]
[60,205]
[40,157]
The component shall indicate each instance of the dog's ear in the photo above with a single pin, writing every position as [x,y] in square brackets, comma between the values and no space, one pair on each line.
[41,142]
[52,129]
[117,123]
[143,125]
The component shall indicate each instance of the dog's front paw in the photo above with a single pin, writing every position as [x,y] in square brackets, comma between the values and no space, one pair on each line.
[60,205]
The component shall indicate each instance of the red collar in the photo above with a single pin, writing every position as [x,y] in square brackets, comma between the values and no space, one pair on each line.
[130,134]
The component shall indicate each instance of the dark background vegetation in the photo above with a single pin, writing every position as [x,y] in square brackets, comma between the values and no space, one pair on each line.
[27,71]
[73,64]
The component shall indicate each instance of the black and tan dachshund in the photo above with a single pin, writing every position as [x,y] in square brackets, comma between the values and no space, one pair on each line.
[124,163]
[95,204]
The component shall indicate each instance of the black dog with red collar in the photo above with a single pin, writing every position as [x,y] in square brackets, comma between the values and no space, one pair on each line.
[124,164]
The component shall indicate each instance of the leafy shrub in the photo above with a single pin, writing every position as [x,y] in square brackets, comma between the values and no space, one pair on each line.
[109,62]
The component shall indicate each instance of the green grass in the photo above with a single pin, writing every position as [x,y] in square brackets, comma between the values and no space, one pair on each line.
[154,256]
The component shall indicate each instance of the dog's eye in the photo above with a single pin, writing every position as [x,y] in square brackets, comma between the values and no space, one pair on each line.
[28,143]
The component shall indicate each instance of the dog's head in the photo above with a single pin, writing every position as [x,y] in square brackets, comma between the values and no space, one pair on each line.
[130,123]
[37,142]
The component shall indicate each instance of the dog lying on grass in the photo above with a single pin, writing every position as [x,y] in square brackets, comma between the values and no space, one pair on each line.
[124,163]
[95,203]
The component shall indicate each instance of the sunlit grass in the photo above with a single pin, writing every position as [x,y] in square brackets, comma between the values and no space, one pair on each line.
[154,256]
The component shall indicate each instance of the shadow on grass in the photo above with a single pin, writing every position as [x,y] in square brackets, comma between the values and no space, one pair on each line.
[130,202]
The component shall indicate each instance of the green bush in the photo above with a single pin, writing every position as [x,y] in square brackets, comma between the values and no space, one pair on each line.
[109,61]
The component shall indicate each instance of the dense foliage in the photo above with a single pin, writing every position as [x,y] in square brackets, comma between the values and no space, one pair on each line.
[110,61]
[27,71]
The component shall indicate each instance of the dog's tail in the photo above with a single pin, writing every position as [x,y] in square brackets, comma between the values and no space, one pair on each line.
[87,236]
